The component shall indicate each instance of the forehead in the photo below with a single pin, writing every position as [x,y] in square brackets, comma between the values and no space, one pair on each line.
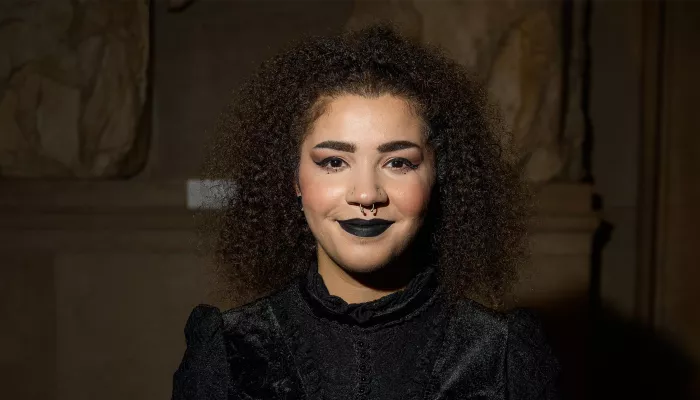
[367,121]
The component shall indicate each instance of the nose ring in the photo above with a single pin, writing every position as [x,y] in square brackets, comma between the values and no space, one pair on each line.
[372,210]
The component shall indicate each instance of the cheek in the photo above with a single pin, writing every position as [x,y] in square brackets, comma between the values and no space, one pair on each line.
[411,198]
[321,193]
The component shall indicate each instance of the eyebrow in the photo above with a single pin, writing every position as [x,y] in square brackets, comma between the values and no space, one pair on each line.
[396,145]
[382,148]
[336,145]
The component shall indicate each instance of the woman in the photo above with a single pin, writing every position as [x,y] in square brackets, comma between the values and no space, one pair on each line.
[378,222]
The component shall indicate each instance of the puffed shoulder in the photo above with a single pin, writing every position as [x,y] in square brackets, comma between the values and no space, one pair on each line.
[203,371]
[204,324]
[532,368]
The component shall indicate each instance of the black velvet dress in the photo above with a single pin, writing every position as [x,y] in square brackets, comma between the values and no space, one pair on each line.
[303,343]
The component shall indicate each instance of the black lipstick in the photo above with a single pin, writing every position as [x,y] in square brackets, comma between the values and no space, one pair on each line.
[365,227]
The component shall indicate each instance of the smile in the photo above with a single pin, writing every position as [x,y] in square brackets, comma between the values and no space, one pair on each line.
[365,227]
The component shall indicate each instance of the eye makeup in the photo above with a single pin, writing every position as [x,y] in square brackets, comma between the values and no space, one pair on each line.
[330,163]
[335,164]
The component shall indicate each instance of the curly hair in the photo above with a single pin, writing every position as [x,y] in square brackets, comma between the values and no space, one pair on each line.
[476,222]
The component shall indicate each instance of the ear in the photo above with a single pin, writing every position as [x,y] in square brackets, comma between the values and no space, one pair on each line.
[297,190]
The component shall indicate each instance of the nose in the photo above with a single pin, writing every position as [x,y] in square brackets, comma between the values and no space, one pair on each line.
[366,189]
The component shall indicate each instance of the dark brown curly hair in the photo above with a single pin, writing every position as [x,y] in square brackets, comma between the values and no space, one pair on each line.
[476,224]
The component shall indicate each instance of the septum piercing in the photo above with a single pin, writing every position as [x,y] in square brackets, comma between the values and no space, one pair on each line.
[373,210]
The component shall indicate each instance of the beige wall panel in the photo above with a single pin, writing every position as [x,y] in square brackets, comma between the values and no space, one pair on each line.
[551,278]
[27,321]
[120,322]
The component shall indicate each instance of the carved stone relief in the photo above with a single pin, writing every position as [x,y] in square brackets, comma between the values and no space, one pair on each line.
[72,86]
[516,49]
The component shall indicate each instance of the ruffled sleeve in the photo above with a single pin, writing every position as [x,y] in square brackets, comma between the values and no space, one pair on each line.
[532,369]
[203,372]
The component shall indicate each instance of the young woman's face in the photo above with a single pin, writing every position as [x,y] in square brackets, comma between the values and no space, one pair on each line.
[363,152]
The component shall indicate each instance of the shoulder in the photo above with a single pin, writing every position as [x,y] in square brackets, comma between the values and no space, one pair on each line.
[525,332]
[242,317]
[532,368]
[203,324]
[202,374]
[470,314]
[516,329]
[253,332]
[471,329]
[496,352]
[257,317]
[259,362]
[208,325]
[240,350]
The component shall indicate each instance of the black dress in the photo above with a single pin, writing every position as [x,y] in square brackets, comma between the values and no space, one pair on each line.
[303,343]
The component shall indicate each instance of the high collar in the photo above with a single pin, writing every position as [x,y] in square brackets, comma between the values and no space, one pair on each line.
[384,310]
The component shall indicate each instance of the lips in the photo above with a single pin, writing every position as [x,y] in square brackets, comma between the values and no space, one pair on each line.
[365,227]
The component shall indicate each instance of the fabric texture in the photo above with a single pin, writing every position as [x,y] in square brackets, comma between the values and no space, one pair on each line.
[303,343]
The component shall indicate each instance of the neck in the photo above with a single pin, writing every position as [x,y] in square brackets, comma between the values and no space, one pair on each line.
[363,287]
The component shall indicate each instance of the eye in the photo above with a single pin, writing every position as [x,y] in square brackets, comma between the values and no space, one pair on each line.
[331,164]
[401,165]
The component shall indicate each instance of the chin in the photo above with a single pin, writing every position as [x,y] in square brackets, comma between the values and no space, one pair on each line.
[362,264]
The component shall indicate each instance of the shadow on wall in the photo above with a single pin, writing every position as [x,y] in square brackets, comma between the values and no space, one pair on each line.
[607,356]
[629,360]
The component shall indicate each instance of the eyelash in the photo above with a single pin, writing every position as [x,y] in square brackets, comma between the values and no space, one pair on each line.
[407,165]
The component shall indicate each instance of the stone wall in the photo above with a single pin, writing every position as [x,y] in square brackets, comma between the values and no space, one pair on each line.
[72,87]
